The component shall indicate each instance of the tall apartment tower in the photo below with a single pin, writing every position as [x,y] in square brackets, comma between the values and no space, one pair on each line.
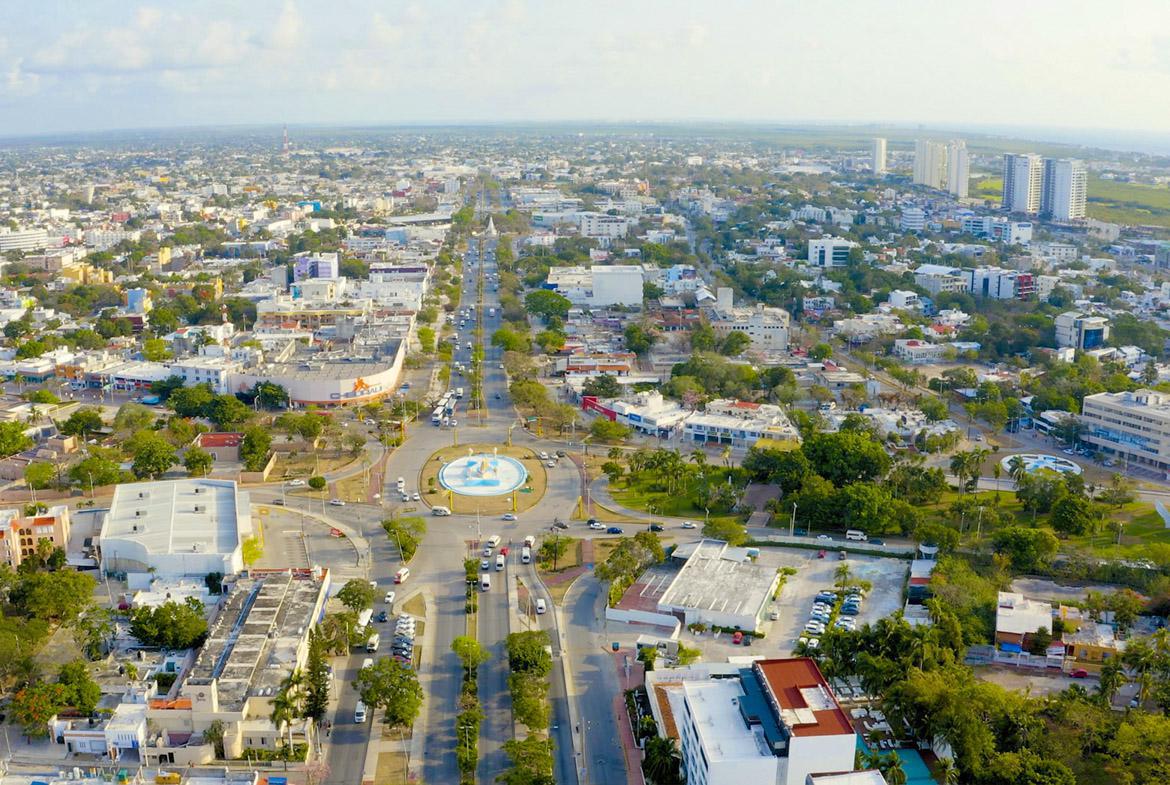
[1064,189]
[878,156]
[1023,177]
[958,168]
[930,163]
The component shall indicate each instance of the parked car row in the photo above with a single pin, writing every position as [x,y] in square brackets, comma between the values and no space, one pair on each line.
[403,646]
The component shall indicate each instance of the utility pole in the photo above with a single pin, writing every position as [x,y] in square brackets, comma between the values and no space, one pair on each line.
[792,523]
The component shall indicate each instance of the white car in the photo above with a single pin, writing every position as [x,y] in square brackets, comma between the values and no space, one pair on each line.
[597,525]
[415,497]
[337,502]
[550,464]
[297,483]
[389,598]
[487,552]
[540,606]
[688,525]
[485,564]
[493,541]
[824,537]
[815,627]
[509,516]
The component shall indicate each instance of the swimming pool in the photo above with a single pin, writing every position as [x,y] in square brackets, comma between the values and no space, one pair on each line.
[915,767]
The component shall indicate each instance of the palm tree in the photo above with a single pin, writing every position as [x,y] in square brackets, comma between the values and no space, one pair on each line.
[1017,468]
[726,456]
[699,458]
[948,772]
[893,771]
[1111,678]
[662,762]
[286,705]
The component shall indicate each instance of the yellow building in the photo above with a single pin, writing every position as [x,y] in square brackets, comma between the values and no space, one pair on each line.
[20,535]
[86,273]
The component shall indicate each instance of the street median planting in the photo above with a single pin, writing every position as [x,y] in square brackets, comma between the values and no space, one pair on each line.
[530,663]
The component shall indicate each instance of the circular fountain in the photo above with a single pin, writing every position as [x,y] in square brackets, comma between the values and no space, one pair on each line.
[1034,462]
[483,474]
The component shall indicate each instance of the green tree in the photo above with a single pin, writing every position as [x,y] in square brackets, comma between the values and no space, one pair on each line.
[602,386]
[155,350]
[1075,515]
[821,351]
[191,401]
[227,411]
[61,596]
[703,338]
[639,340]
[393,687]
[317,677]
[39,475]
[172,625]
[270,395]
[471,654]
[1118,493]
[357,595]
[511,341]
[786,468]
[133,417]
[83,423]
[1027,549]
[532,762]
[731,532]
[735,343]
[80,690]
[98,469]
[255,447]
[197,461]
[604,430]
[153,455]
[317,483]
[13,439]
[846,456]
[406,532]
[546,304]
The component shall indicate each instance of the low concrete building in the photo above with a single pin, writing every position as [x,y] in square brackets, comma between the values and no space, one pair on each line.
[176,527]
[1017,619]
[718,586]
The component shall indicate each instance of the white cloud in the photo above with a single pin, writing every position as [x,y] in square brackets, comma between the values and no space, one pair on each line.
[383,33]
[286,34]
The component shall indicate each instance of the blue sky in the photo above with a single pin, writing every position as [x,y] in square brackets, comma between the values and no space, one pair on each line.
[99,64]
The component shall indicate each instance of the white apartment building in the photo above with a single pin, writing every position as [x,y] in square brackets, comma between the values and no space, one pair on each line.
[877,155]
[1065,189]
[1075,330]
[739,423]
[214,371]
[958,169]
[777,723]
[102,239]
[905,299]
[1134,426]
[829,252]
[602,225]
[930,163]
[23,240]
[1000,284]
[913,350]
[1023,178]
[913,219]
[937,278]
[599,285]
[766,327]
[810,213]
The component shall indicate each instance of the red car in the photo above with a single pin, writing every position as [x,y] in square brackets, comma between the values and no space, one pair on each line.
[1079,673]
[504,551]
[820,554]
[737,638]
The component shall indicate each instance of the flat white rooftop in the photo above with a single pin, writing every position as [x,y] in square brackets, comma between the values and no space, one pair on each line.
[714,708]
[178,516]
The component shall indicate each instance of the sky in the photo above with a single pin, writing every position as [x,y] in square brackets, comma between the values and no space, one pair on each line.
[91,65]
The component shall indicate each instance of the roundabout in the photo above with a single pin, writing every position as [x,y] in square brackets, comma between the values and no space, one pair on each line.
[485,478]
[1034,462]
[483,474]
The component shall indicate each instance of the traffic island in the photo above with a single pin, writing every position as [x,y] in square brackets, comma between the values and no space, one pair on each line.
[485,478]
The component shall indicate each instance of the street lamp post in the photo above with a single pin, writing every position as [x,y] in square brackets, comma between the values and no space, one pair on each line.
[792,523]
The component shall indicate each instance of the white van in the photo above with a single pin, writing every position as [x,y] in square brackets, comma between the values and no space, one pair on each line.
[440,511]
[854,534]
[401,483]
[529,541]
[368,662]
[359,713]
[372,643]
[525,555]
[402,575]
[499,562]
[459,392]
[485,581]
[540,608]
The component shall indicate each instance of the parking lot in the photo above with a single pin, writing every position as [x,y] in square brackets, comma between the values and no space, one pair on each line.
[886,576]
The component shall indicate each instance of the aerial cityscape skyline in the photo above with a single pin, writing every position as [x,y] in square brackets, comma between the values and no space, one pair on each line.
[117,66]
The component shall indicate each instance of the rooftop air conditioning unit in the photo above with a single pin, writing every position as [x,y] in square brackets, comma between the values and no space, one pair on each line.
[198,489]
[199,508]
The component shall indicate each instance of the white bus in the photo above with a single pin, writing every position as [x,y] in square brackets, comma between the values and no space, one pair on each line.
[359,713]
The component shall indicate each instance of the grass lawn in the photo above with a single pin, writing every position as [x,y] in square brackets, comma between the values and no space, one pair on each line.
[303,465]
[603,514]
[354,489]
[986,188]
[1128,203]
[487,505]
[639,497]
[416,606]
[391,765]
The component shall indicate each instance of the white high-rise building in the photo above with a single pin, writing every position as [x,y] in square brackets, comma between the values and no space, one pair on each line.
[1023,178]
[1064,189]
[958,168]
[930,163]
[878,155]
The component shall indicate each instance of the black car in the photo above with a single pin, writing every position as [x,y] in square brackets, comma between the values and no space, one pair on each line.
[591,521]
[656,527]
[560,453]
[560,525]
[614,530]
